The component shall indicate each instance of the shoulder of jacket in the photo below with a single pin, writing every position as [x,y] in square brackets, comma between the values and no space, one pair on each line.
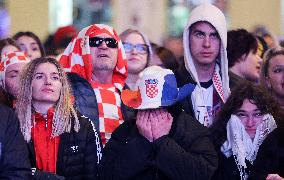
[191,124]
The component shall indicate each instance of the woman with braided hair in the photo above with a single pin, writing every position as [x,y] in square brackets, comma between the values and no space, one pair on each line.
[62,143]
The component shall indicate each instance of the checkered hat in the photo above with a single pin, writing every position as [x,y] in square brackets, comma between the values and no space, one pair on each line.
[9,59]
[157,87]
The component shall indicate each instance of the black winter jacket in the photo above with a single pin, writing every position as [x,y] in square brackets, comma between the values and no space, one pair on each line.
[78,153]
[14,162]
[270,159]
[235,80]
[186,153]
[183,77]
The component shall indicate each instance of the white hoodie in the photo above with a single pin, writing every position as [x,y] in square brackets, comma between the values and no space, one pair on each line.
[211,14]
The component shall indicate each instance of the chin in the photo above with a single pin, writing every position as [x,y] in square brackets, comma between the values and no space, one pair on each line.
[207,61]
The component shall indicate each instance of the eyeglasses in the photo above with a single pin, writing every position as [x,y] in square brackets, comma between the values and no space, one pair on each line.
[97,41]
[140,48]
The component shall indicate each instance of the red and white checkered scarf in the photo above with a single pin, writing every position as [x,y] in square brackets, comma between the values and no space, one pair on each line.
[77,58]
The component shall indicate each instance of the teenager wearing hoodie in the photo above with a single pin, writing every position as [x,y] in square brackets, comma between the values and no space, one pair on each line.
[206,64]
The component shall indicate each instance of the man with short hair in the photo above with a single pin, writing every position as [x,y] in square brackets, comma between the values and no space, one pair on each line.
[97,55]
[206,64]
[244,61]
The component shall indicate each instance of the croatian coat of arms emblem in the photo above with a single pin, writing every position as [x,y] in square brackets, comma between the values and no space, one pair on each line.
[151,87]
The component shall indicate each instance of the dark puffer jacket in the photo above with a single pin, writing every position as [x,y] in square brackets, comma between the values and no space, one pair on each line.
[85,99]
[183,77]
[186,153]
[14,162]
[78,154]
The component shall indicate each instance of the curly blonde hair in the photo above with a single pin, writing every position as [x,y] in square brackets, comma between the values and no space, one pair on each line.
[64,109]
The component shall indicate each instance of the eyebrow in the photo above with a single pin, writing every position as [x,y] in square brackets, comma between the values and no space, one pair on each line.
[277,66]
[41,73]
[240,110]
[11,71]
[200,31]
[197,31]
[34,43]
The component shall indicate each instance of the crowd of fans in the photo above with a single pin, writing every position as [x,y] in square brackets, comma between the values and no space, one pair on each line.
[96,104]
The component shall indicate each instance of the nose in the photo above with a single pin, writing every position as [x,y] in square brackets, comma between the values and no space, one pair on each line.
[28,52]
[259,59]
[103,45]
[134,50]
[206,42]
[47,81]
[250,122]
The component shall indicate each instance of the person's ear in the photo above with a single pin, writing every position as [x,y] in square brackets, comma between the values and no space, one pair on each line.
[242,58]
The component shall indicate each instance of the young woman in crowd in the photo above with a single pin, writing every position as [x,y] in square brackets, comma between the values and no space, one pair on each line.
[61,142]
[11,66]
[273,73]
[138,54]
[8,45]
[30,44]
[245,135]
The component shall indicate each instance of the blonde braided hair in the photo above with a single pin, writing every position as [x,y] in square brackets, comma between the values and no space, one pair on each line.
[64,109]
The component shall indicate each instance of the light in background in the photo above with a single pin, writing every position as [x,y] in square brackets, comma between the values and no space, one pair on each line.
[87,12]
[5,21]
[60,14]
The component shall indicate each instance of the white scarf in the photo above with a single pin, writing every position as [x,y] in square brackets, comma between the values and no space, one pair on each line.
[201,97]
[241,146]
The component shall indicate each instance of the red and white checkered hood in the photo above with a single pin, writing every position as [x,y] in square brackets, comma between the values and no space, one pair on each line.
[77,58]
[9,59]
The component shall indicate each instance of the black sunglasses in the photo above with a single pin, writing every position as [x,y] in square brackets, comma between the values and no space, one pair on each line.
[97,41]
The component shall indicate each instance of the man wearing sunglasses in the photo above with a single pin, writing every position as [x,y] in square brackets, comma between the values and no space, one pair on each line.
[103,50]
[97,55]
